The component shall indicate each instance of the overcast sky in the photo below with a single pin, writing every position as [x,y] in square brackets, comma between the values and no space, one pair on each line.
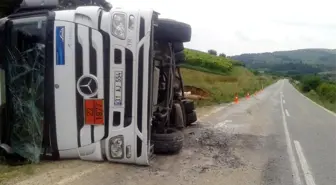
[250,26]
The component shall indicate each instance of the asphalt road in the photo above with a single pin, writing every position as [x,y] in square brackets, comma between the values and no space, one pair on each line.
[298,136]
[314,131]
[275,137]
[259,119]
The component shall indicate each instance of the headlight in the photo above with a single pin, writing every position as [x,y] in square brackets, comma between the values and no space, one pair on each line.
[117,147]
[119,25]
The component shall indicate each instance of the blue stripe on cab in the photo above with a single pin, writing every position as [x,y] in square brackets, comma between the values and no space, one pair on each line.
[60,33]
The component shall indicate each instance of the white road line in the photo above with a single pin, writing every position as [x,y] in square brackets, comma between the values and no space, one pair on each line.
[283,101]
[287,113]
[76,176]
[296,177]
[222,124]
[215,111]
[219,109]
[304,165]
[313,101]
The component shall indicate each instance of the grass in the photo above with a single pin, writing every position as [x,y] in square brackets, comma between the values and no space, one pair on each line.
[10,172]
[317,99]
[223,88]
[222,77]
[202,69]
[209,62]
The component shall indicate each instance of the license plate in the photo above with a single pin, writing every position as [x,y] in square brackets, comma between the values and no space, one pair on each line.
[94,111]
[118,79]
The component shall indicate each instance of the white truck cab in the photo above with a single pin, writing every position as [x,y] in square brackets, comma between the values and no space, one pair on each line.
[96,85]
[100,83]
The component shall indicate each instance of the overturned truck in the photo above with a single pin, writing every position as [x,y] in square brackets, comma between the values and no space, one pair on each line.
[92,84]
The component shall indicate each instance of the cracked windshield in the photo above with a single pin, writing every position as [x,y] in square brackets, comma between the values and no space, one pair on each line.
[159,92]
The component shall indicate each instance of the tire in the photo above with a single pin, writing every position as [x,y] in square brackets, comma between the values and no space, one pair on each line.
[189,106]
[184,114]
[178,47]
[172,31]
[168,143]
[179,58]
[191,118]
[178,116]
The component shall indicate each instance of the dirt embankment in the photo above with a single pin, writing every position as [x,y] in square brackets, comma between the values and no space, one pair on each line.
[195,93]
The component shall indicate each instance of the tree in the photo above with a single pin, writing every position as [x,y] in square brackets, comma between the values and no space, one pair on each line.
[222,55]
[212,52]
[255,72]
[310,82]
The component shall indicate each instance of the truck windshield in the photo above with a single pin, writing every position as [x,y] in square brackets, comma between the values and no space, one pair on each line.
[25,68]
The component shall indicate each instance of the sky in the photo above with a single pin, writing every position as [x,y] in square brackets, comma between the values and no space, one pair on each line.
[250,26]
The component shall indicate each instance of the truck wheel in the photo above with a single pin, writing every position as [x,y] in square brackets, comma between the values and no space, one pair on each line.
[179,57]
[172,31]
[178,47]
[189,106]
[168,143]
[191,118]
[179,116]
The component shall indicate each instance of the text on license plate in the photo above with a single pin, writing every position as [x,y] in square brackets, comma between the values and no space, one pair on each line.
[118,79]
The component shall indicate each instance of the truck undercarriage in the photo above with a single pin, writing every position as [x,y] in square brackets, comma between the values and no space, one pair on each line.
[173,111]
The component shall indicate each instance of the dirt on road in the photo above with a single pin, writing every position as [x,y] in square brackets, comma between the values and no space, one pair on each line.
[210,156]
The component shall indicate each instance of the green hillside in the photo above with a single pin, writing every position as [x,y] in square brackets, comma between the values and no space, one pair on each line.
[313,70]
[306,56]
[302,61]
[202,61]
[222,77]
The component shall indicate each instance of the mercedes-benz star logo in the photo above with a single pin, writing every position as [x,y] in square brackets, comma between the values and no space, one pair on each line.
[87,85]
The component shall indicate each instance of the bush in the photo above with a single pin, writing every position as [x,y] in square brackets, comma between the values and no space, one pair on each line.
[310,83]
[212,52]
[297,77]
[210,62]
[319,90]
[222,55]
[237,63]
[255,72]
[327,91]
